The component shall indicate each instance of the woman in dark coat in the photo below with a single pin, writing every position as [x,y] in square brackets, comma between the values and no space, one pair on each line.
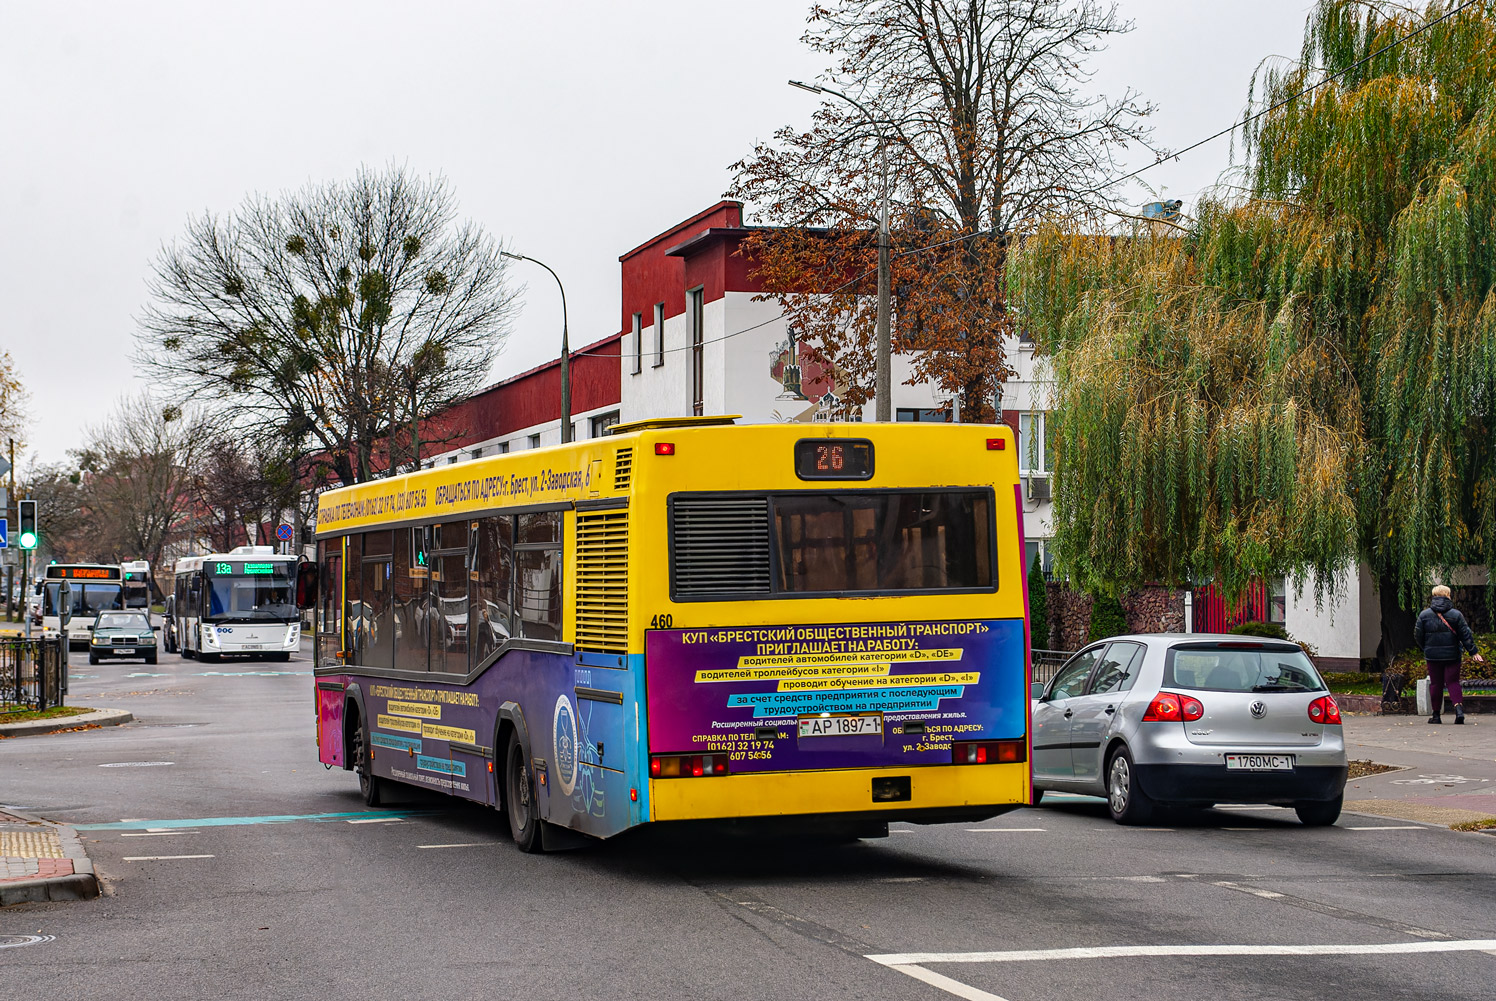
[1440,632]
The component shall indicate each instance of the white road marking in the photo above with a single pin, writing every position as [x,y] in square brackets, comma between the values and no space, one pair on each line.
[1263,807]
[1392,827]
[991,830]
[945,983]
[154,834]
[1254,891]
[463,844]
[161,858]
[377,820]
[1164,951]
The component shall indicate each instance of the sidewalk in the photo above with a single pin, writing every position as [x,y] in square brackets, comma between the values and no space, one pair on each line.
[1446,774]
[42,861]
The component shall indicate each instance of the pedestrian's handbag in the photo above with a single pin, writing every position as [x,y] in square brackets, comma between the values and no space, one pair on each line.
[1446,624]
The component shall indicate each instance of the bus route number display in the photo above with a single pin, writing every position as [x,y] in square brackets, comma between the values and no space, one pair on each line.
[246,569]
[834,459]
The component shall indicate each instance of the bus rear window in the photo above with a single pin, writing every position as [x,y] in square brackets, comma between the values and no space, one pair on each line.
[867,541]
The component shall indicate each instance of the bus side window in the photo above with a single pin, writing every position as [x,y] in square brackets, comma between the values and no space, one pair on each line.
[537,577]
[353,609]
[409,589]
[492,574]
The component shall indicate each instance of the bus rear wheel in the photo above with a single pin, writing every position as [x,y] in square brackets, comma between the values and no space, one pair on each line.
[368,782]
[519,798]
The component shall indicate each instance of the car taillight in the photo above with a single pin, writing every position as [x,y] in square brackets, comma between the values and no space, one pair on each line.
[685,766]
[1164,708]
[988,752]
[1325,710]
[1191,708]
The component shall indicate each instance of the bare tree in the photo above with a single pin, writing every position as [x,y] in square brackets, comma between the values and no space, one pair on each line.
[242,481]
[981,109]
[308,311]
[137,476]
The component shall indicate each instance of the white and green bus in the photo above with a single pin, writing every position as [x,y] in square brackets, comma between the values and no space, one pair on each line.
[242,602]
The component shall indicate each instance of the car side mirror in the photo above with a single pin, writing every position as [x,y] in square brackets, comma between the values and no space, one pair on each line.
[306,585]
[1036,690]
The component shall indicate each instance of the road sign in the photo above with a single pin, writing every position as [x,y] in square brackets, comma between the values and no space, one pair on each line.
[284,533]
[4,534]
[4,466]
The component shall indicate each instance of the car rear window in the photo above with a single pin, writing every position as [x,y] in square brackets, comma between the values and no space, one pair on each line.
[1241,667]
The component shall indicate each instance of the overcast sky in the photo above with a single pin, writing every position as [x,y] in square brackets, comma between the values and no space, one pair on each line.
[573,131]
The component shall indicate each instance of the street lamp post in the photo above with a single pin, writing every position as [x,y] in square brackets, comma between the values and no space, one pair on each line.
[882,380]
[565,348]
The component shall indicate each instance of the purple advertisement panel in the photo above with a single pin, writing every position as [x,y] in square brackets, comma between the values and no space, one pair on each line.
[842,695]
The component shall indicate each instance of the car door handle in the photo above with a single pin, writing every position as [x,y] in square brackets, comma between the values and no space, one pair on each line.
[1110,710]
[1068,714]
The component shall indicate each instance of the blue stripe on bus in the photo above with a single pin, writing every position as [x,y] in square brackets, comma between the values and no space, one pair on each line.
[396,743]
[427,763]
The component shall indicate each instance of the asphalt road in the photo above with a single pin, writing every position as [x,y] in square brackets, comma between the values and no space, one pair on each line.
[429,899]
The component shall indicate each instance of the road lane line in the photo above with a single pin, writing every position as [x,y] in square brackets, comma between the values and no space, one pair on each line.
[464,844]
[992,830]
[1403,827]
[1167,951]
[284,818]
[378,820]
[955,987]
[154,834]
[161,858]
[1254,891]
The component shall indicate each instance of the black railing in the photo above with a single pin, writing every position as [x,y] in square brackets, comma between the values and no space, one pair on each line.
[32,674]
[1047,662]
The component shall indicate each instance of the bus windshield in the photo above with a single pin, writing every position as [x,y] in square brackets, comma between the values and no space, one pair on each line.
[252,598]
[88,599]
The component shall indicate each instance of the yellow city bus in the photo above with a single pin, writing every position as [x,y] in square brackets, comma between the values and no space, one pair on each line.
[812,627]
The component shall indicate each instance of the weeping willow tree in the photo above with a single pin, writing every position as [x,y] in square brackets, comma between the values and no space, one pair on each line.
[1305,374]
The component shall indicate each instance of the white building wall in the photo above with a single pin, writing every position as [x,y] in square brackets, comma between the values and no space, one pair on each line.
[662,388]
[1333,628]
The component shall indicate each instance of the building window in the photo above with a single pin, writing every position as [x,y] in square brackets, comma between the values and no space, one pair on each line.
[452,460]
[1034,453]
[695,313]
[1042,549]
[503,447]
[638,343]
[922,416]
[602,422]
[1277,600]
[477,453]
[534,441]
[659,326]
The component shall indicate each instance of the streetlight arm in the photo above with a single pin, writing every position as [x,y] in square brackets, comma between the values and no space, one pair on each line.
[565,346]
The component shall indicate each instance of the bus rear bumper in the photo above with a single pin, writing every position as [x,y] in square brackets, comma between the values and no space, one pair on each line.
[936,794]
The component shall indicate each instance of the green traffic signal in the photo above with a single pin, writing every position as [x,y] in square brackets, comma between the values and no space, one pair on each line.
[28,540]
[26,509]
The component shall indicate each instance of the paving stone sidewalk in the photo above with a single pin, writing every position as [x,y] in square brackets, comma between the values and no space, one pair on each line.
[1446,774]
[42,861]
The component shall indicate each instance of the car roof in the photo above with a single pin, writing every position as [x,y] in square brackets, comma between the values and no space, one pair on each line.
[1173,639]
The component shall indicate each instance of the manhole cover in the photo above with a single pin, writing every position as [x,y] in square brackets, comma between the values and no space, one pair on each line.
[16,941]
[136,764]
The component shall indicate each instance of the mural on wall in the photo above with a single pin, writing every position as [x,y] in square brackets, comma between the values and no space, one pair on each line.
[810,390]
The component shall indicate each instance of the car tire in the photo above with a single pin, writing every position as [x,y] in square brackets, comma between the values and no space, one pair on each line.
[1319,813]
[150,658]
[369,784]
[1037,796]
[519,798]
[1125,799]
[93,658]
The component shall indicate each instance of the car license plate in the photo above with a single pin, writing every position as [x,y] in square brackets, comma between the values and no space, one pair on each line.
[123,649]
[253,646]
[1260,762]
[841,725]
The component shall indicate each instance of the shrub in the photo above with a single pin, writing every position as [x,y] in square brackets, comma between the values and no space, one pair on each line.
[1038,608]
[1107,617]
[1268,630]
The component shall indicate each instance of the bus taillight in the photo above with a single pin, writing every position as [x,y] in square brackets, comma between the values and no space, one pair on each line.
[678,766]
[989,752]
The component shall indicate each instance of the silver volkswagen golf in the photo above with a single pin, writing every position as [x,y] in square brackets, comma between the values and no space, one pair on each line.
[1190,720]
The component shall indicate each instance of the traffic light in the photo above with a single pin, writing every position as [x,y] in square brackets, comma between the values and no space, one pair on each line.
[27,511]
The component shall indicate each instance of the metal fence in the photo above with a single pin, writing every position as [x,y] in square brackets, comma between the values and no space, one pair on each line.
[32,673]
[1046,662]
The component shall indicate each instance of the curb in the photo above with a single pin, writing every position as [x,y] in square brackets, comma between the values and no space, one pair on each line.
[100,717]
[80,884]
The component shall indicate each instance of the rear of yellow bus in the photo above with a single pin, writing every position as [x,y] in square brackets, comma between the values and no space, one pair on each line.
[832,621]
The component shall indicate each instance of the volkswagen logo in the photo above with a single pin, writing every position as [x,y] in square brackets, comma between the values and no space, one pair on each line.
[1259,709]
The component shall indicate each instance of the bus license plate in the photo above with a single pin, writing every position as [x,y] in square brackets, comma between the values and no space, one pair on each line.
[843,725]
[253,646]
[1260,762]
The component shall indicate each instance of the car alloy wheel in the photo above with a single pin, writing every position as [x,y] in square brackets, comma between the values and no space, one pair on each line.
[1119,784]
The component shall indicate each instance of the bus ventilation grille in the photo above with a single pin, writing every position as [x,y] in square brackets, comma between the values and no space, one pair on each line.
[623,468]
[603,582]
[719,546]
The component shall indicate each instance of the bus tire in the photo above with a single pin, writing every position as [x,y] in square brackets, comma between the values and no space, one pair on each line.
[519,798]
[282,657]
[369,784]
[210,658]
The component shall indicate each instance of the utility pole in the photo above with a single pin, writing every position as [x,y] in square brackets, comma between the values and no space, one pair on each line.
[883,376]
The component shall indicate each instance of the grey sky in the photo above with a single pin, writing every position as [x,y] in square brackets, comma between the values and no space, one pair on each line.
[573,131]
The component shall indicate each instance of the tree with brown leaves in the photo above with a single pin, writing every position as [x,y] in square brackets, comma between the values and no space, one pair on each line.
[981,110]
